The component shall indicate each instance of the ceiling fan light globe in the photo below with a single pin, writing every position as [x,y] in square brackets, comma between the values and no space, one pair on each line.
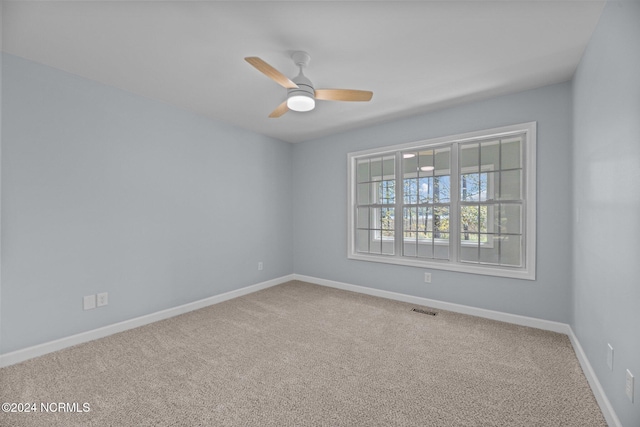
[301,103]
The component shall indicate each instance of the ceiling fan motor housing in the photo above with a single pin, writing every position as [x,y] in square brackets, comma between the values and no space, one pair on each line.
[301,98]
[305,87]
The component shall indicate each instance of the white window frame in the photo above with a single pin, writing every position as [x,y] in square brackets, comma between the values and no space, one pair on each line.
[527,271]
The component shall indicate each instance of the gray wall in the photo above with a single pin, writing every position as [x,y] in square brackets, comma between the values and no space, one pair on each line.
[606,188]
[320,207]
[105,191]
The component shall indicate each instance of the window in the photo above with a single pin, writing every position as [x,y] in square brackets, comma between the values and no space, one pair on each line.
[462,203]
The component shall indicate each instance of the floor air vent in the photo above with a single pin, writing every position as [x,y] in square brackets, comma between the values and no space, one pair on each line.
[430,313]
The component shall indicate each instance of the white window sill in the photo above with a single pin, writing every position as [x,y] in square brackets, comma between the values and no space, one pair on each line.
[483,269]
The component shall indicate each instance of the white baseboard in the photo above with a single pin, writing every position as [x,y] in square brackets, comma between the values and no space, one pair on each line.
[605,406]
[51,346]
[532,322]
[563,328]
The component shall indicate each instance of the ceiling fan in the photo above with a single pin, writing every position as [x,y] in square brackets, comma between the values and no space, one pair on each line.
[301,94]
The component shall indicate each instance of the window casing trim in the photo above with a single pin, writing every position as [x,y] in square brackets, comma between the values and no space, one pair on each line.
[528,271]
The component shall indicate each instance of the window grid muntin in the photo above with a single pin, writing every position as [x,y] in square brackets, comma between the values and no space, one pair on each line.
[420,166]
[492,205]
[379,183]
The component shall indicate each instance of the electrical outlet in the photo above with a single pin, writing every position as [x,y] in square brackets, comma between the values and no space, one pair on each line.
[260,266]
[629,386]
[610,357]
[427,277]
[89,302]
[103,299]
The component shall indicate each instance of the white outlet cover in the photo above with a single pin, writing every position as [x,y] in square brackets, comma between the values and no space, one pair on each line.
[427,277]
[103,299]
[610,357]
[89,302]
[629,386]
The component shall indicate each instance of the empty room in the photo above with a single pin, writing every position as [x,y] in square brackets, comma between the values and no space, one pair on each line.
[320,213]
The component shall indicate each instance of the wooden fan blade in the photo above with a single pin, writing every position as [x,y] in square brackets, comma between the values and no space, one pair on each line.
[343,95]
[280,110]
[271,72]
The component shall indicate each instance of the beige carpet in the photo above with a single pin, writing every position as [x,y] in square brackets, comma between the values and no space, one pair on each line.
[304,355]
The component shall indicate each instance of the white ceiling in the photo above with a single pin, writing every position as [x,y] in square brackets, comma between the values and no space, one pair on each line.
[415,56]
